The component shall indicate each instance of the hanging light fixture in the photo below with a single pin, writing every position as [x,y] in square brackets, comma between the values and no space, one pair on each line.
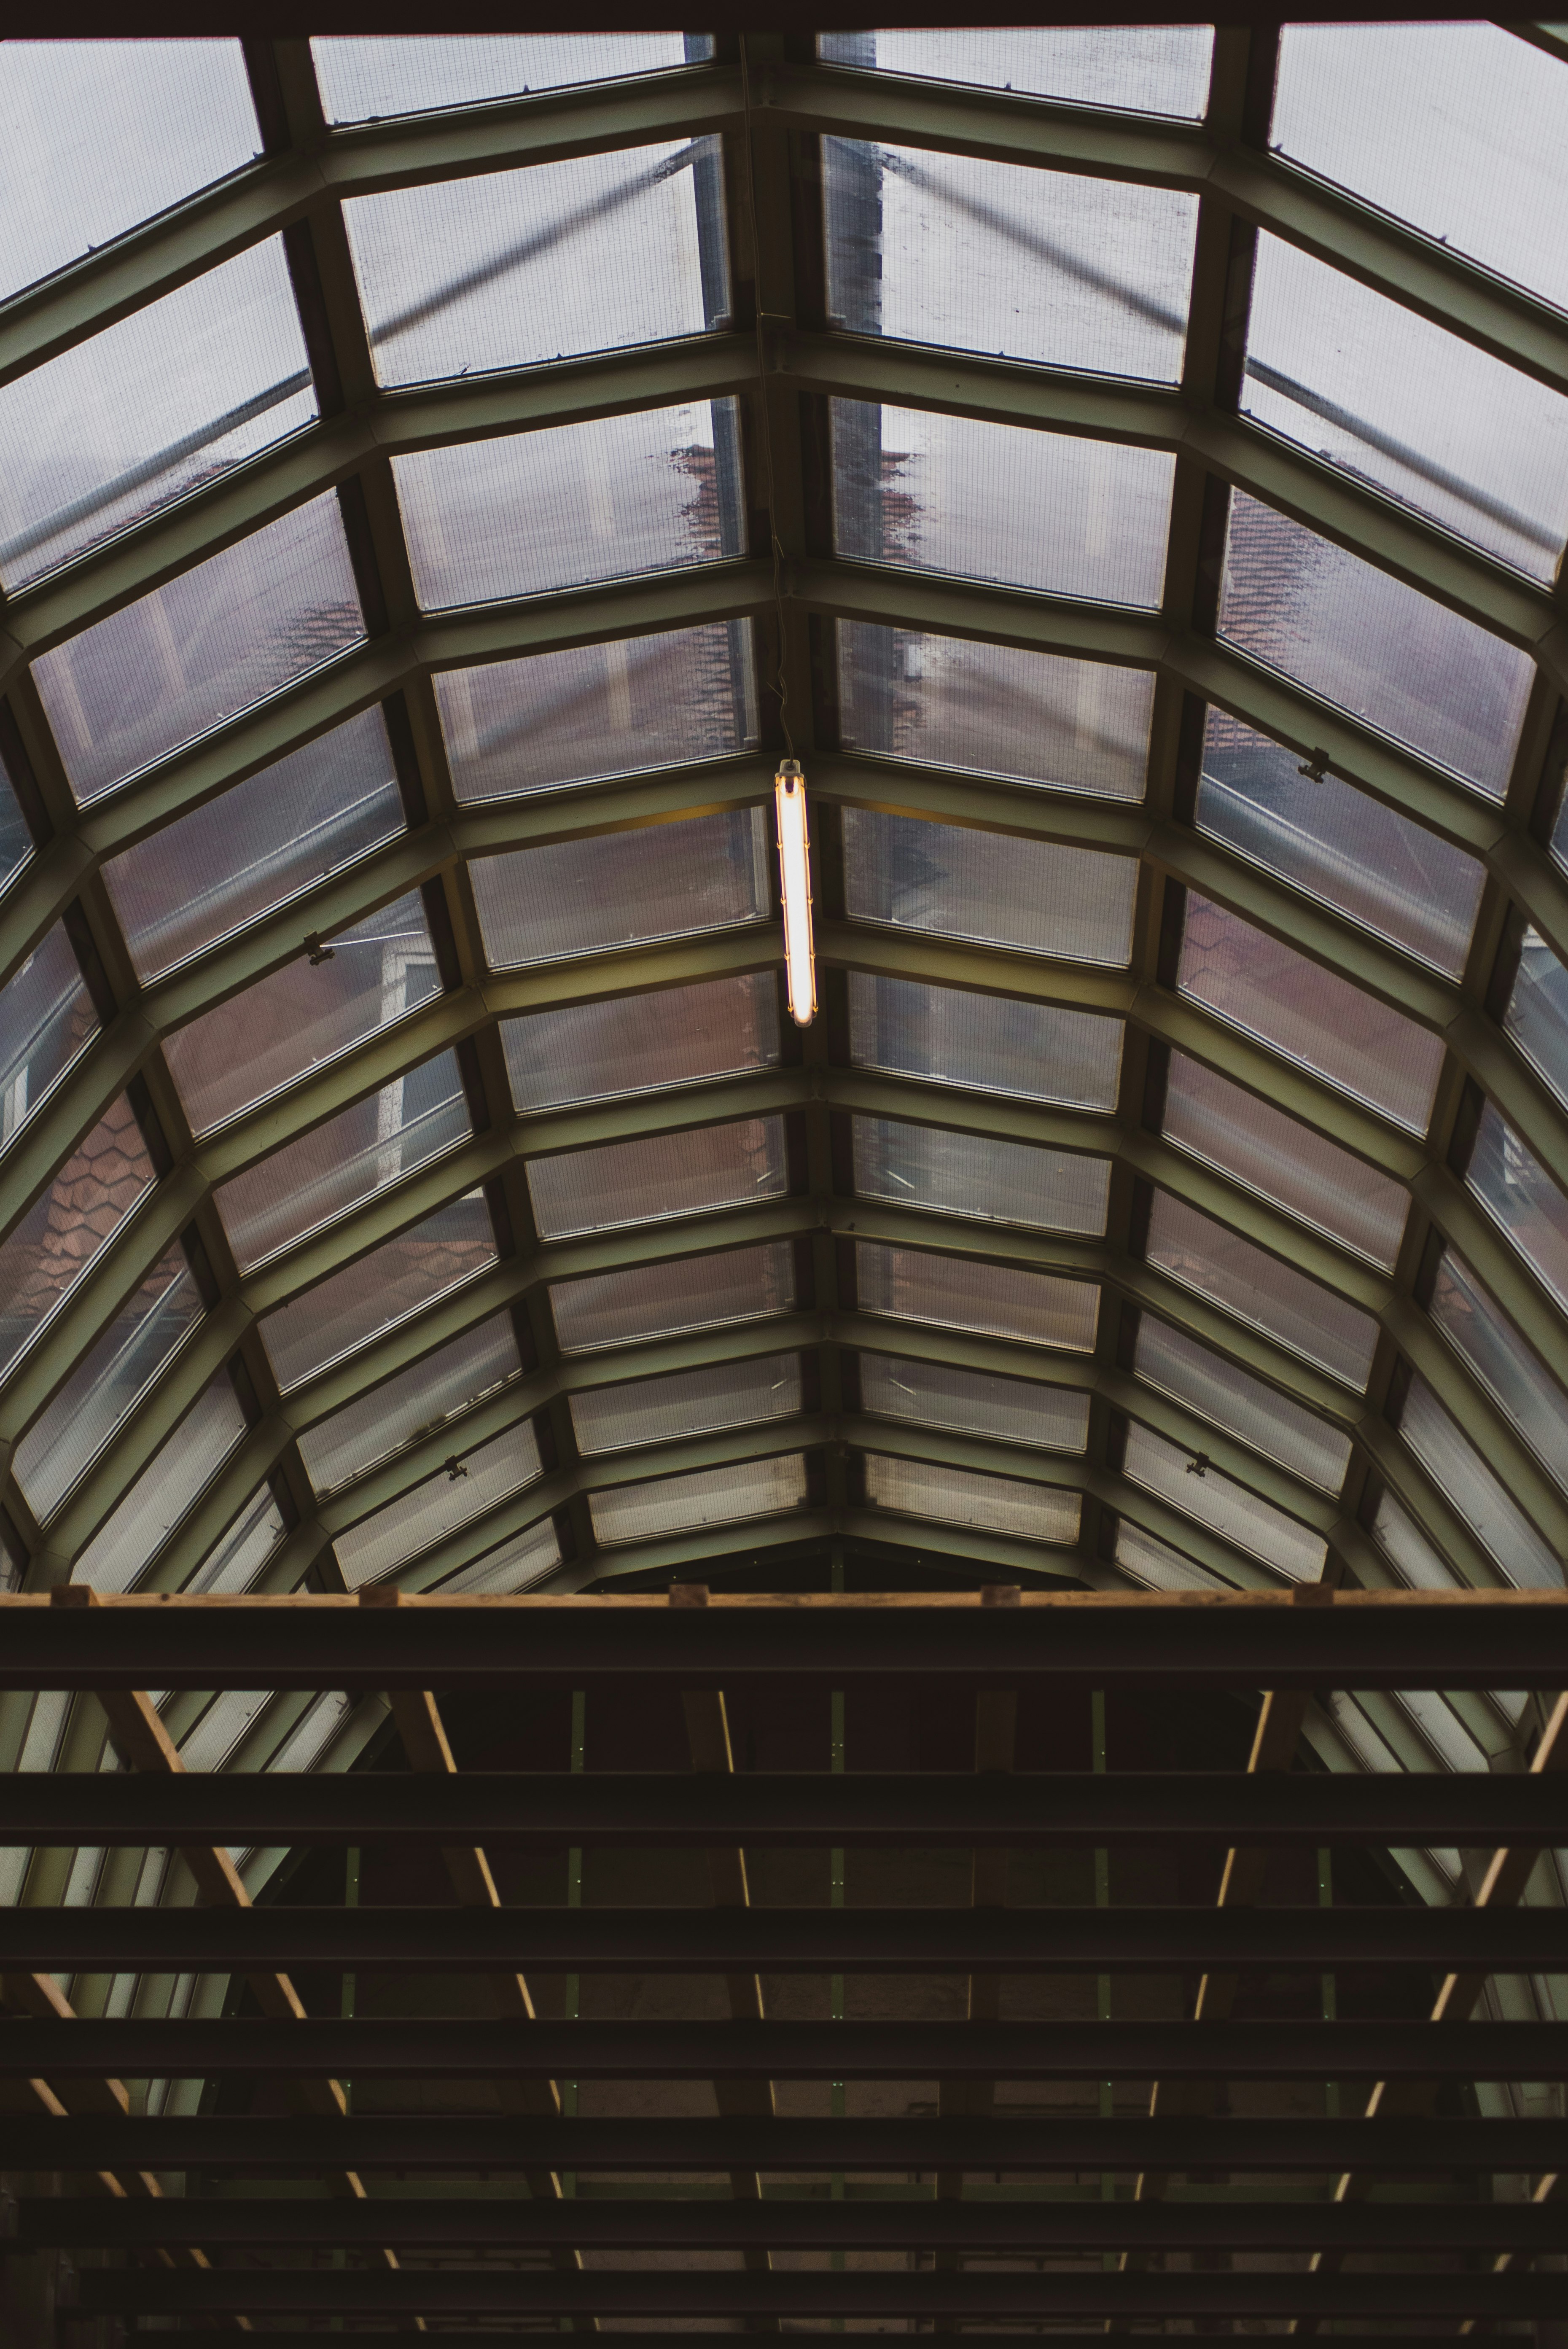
[795,888]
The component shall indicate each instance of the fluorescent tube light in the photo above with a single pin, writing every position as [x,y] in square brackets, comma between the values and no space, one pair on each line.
[795,888]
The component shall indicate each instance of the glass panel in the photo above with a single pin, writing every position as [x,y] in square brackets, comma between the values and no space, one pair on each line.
[637,1043]
[368,1297]
[219,638]
[1037,1307]
[350,1158]
[990,709]
[417,1521]
[1154,1564]
[999,501]
[102,135]
[1309,1014]
[1302,1314]
[263,842]
[179,1471]
[1224,1506]
[1407,1550]
[1456,128]
[165,401]
[657,1300]
[48,1252]
[657,1176]
[1008,1411]
[987,1043]
[1537,1014]
[366,76]
[1474,1492]
[1389,398]
[515,1565]
[1373,647]
[45,1018]
[1392,876]
[1505,1366]
[1284,1161]
[692,1402]
[227,1719]
[16,847]
[961,1496]
[1520,1196]
[1257,1414]
[414,1404]
[514,267]
[710,1497]
[965,1174]
[1075,904]
[235,1561]
[596,711]
[1137,69]
[582,897]
[573,503]
[107,1383]
[303,1015]
[932,248]
[305,1744]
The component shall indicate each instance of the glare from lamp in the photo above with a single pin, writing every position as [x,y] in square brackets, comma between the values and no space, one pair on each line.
[795,888]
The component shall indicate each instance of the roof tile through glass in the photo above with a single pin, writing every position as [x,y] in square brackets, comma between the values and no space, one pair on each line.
[43,1256]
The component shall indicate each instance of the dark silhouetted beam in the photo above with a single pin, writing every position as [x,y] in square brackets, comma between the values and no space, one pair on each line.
[137,2048]
[495,1809]
[781,1940]
[452,2338]
[1392,1639]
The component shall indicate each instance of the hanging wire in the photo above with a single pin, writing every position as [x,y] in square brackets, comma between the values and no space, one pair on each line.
[780,684]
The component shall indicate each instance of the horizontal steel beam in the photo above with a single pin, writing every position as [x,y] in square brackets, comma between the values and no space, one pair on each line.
[136,2048]
[910,1807]
[1309,1638]
[778,1941]
[455,2338]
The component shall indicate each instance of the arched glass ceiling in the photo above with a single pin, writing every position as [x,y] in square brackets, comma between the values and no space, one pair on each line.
[408,1170]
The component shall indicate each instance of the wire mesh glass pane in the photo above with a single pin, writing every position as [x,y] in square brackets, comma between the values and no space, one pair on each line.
[46,1017]
[1466,1482]
[100,136]
[1537,1014]
[1456,128]
[452,1497]
[934,248]
[623,889]
[1478,1330]
[1137,69]
[1372,646]
[987,1043]
[1072,903]
[1257,1414]
[515,267]
[163,402]
[596,711]
[690,1403]
[1145,1559]
[1521,1199]
[366,77]
[991,709]
[45,1255]
[659,1300]
[512,1565]
[966,1175]
[414,1404]
[1391,399]
[1391,876]
[236,1561]
[1007,1411]
[351,1157]
[710,1497]
[182,1468]
[303,1015]
[1000,502]
[1039,1307]
[1257,1287]
[1315,1018]
[637,1043]
[215,641]
[1284,1161]
[368,1297]
[1226,1507]
[262,843]
[16,845]
[1407,1550]
[657,1176]
[573,503]
[107,1383]
[227,1719]
[962,1496]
